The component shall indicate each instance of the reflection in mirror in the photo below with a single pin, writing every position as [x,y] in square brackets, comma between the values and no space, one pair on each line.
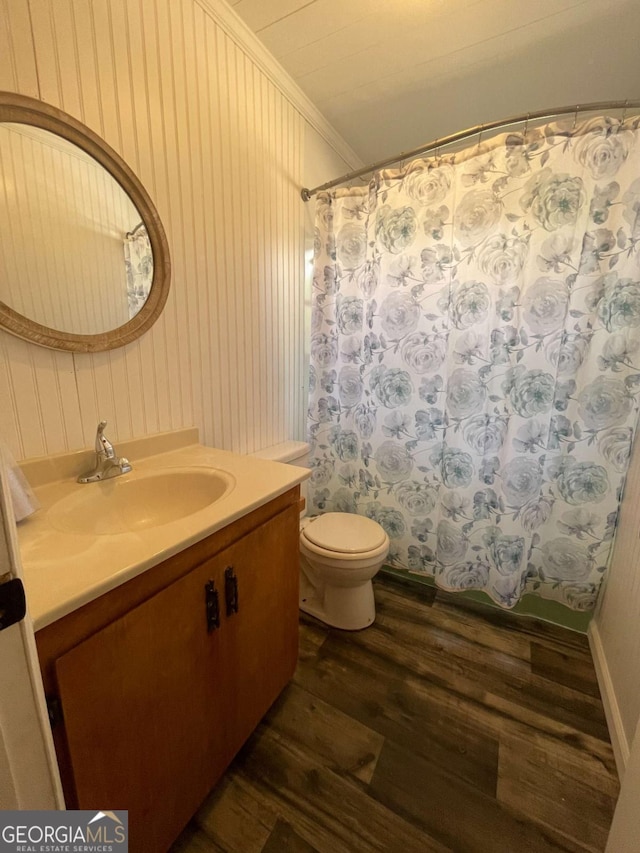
[84,250]
[74,255]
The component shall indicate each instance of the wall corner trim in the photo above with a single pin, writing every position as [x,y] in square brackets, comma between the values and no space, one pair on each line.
[235,27]
[619,741]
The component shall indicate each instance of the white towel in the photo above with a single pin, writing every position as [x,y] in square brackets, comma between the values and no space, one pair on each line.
[24,501]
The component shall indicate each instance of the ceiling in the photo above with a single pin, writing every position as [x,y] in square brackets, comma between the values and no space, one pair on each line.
[393,74]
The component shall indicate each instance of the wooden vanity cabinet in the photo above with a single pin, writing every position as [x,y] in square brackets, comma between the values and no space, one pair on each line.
[155,700]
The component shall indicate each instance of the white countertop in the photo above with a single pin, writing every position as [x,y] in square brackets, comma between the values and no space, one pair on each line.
[63,571]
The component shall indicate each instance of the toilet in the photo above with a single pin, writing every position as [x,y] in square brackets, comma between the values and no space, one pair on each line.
[340,553]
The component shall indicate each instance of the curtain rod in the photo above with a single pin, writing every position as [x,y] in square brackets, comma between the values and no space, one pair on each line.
[131,234]
[472,131]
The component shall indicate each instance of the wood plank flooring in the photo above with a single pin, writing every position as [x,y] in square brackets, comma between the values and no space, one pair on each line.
[446,726]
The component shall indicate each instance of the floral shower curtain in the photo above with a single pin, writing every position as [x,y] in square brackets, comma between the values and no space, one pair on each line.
[138,260]
[475,358]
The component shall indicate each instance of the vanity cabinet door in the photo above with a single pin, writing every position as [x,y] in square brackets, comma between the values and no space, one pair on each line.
[144,705]
[261,639]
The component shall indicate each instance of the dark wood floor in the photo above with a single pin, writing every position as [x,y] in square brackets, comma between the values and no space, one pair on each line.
[442,727]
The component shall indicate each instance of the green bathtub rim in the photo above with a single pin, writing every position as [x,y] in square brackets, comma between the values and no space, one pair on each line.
[529,605]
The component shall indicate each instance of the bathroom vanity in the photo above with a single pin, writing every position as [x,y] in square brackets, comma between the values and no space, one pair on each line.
[154,683]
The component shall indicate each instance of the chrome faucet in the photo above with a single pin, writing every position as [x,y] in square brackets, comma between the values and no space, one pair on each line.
[107,463]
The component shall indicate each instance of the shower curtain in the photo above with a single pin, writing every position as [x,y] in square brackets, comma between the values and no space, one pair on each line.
[138,261]
[475,358]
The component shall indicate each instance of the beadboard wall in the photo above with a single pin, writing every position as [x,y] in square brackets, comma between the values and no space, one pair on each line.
[615,630]
[181,93]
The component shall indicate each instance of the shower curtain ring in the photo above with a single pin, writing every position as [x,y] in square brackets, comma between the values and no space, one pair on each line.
[575,117]
[480,135]
[526,126]
[624,112]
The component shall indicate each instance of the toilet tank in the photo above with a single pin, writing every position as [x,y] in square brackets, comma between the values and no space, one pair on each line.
[289,452]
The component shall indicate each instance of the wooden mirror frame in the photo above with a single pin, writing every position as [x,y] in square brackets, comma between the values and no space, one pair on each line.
[24,110]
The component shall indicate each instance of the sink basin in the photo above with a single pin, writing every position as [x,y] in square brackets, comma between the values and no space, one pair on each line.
[139,500]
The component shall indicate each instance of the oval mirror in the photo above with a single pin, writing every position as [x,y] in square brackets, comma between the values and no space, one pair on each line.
[84,260]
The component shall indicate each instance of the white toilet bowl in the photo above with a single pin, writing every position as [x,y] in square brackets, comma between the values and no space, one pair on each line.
[339,555]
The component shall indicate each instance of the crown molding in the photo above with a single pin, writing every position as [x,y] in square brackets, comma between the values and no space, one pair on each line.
[235,27]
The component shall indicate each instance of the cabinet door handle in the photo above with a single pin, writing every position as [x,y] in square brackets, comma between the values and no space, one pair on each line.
[231,591]
[212,605]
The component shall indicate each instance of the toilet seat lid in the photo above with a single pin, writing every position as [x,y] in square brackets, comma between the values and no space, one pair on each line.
[344,532]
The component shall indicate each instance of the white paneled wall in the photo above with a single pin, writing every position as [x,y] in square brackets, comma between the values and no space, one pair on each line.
[219,146]
[615,630]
